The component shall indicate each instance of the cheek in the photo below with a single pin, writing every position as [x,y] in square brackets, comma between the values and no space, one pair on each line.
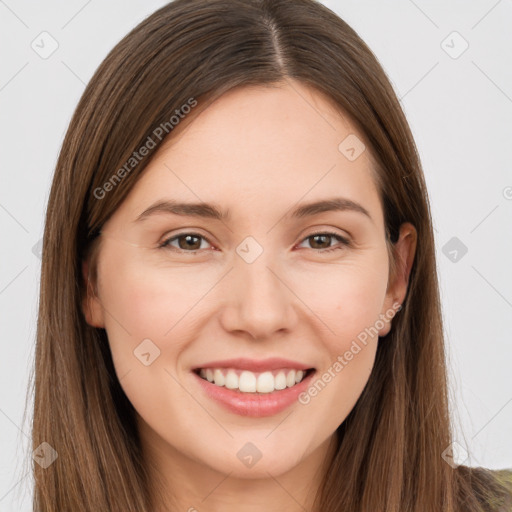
[148,311]
[347,297]
[150,301]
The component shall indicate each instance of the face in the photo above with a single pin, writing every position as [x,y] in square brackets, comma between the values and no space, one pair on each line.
[264,289]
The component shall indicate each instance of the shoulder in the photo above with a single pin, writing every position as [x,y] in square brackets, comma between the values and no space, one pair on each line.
[502,501]
[491,488]
[504,476]
[497,496]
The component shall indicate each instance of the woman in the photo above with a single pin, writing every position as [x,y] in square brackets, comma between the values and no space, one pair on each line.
[239,305]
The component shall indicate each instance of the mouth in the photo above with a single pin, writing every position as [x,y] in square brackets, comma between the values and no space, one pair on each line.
[253,387]
[265,390]
[246,381]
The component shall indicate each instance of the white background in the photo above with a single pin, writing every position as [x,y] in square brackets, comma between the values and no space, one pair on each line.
[460,111]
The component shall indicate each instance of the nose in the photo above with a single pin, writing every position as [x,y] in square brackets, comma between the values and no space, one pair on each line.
[260,301]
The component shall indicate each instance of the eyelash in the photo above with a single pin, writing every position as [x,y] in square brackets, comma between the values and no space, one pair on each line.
[344,242]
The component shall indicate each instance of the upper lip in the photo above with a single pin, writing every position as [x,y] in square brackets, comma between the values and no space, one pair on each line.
[255,365]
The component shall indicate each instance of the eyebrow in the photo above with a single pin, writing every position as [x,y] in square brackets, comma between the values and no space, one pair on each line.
[211,211]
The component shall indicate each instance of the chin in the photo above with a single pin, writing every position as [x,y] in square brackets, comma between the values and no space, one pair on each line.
[246,461]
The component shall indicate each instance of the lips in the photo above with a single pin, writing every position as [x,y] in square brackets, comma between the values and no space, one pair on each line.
[254,365]
[249,375]
[254,388]
[251,382]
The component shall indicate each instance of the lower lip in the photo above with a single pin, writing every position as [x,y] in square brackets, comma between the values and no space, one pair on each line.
[256,405]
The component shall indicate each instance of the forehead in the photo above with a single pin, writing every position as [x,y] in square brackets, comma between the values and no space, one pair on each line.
[261,147]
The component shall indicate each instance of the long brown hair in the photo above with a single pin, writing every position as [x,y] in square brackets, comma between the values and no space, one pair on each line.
[391,446]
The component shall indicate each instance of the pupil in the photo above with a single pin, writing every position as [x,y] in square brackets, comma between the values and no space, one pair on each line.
[315,237]
[188,243]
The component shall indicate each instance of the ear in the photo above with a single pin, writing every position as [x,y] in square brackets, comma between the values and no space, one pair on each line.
[91,305]
[405,250]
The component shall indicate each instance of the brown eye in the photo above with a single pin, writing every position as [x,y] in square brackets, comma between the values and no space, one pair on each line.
[322,241]
[188,242]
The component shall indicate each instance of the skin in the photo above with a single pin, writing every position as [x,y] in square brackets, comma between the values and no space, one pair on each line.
[257,151]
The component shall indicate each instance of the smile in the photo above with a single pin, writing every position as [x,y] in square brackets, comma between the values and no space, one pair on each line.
[246,381]
[249,387]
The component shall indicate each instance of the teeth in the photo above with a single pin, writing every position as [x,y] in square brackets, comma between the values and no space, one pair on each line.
[247,382]
[218,377]
[231,380]
[250,382]
[280,381]
[265,383]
